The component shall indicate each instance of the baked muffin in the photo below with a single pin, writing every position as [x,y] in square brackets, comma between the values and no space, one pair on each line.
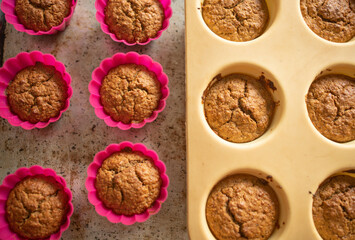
[130,93]
[242,207]
[331,106]
[134,20]
[37,93]
[333,20]
[334,208]
[42,15]
[236,20]
[36,207]
[128,182]
[238,107]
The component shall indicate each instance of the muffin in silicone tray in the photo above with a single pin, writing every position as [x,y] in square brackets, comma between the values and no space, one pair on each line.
[127,183]
[35,203]
[38,17]
[292,155]
[34,90]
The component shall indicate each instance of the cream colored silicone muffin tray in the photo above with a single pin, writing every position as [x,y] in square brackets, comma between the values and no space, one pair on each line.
[292,151]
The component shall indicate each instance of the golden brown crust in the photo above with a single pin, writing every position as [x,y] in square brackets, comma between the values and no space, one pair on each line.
[331,106]
[37,93]
[37,207]
[242,207]
[236,20]
[42,15]
[334,208]
[333,20]
[238,108]
[128,182]
[130,93]
[134,20]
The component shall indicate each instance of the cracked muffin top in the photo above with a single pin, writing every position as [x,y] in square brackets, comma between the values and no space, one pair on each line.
[36,207]
[37,93]
[333,20]
[130,93]
[238,107]
[334,208]
[128,182]
[236,20]
[42,15]
[134,20]
[331,106]
[242,207]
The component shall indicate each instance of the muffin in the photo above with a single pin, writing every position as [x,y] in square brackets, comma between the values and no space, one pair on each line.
[239,108]
[236,20]
[130,93]
[330,19]
[36,207]
[134,20]
[331,106]
[128,182]
[242,207]
[42,15]
[334,208]
[37,93]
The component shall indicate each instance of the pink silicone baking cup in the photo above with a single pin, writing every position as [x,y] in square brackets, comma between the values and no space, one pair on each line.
[10,182]
[8,8]
[108,213]
[9,70]
[100,6]
[118,59]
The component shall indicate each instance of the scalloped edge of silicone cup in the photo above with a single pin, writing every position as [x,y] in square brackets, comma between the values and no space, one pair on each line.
[9,70]
[119,59]
[10,182]
[100,6]
[8,8]
[98,204]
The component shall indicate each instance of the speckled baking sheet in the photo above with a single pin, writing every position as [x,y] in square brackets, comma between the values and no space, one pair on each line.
[69,145]
[292,155]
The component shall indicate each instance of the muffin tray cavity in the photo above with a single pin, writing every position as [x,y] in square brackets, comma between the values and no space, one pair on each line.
[292,156]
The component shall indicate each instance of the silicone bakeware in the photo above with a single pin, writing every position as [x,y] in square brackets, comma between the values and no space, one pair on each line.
[9,70]
[100,6]
[292,155]
[8,7]
[10,182]
[106,212]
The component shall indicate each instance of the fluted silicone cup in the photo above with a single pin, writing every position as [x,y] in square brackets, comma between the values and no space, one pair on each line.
[100,6]
[8,8]
[108,213]
[10,182]
[118,59]
[9,70]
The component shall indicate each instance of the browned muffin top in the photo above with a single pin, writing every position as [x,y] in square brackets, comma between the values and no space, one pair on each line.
[242,207]
[333,20]
[331,106]
[42,15]
[36,207]
[128,182]
[238,108]
[334,208]
[37,93]
[134,20]
[236,20]
[130,93]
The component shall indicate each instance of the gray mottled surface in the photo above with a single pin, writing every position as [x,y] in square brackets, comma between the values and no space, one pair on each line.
[68,146]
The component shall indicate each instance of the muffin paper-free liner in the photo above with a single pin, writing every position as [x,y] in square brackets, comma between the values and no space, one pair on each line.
[100,6]
[118,59]
[8,72]
[8,8]
[99,205]
[10,182]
